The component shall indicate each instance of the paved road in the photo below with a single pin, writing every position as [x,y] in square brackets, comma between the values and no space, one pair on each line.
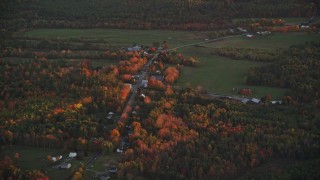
[92,159]
[142,77]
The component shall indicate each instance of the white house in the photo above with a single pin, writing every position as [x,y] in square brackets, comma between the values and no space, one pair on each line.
[276,102]
[255,100]
[110,114]
[54,159]
[144,83]
[134,48]
[249,36]
[72,154]
[245,100]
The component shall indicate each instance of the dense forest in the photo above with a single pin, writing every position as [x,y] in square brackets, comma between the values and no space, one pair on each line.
[175,133]
[296,69]
[53,96]
[142,14]
[188,135]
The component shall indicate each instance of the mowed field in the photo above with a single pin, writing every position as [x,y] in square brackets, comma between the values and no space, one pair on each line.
[118,37]
[220,74]
[216,74]
[30,155]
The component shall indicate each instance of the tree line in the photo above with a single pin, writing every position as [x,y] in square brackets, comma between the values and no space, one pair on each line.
[297,70]
[140,14]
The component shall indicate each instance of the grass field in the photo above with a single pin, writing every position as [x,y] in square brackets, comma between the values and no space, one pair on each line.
[36,158]
[220,75]
[104,161]
[275,41]
[216,74]
[121,36]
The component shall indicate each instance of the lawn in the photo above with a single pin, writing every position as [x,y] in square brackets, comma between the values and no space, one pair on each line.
[104,161]
[36,158]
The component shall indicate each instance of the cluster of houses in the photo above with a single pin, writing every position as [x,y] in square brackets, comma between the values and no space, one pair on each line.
[247,34]
[258,101]
[65,164]
[250,101]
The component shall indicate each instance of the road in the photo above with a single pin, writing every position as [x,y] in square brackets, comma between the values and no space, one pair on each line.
[143,76]
[146,67]
[92,159]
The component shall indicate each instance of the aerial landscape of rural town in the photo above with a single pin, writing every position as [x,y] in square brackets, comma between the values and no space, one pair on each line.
[159,89]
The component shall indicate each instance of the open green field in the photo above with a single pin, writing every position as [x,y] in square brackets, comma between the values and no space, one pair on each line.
[275,41]
[36,158]
[220,75]
[121,36]
[216,74]
[174,38]
[104,161]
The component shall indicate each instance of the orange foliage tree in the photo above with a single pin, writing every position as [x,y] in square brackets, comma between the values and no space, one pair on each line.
[171,75]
